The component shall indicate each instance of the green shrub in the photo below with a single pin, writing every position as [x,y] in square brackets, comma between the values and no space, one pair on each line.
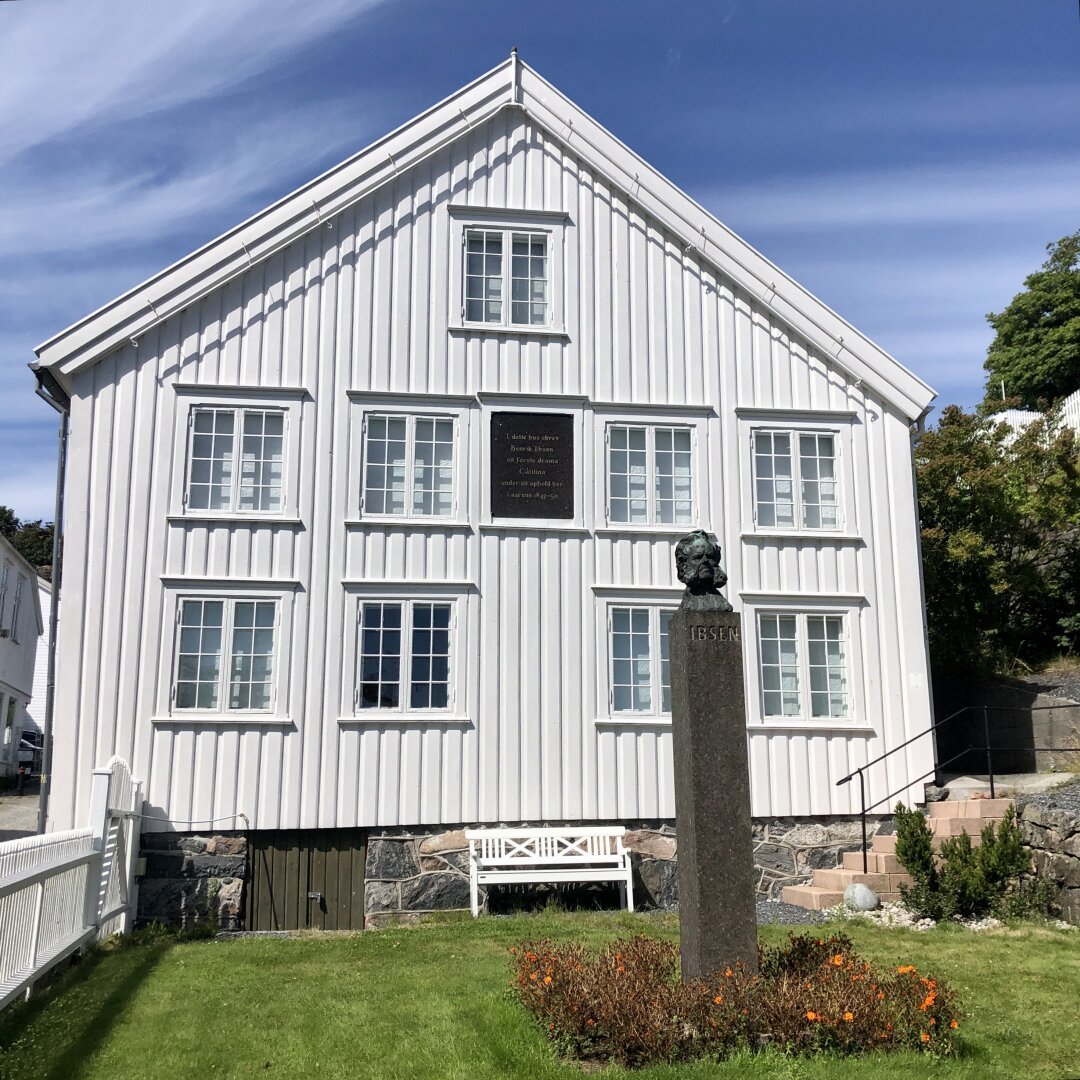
[626,1003]
[963,882]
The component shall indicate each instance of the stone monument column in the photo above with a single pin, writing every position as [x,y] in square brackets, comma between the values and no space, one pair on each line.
[717,910]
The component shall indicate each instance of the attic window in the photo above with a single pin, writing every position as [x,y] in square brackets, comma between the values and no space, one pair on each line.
[507,291]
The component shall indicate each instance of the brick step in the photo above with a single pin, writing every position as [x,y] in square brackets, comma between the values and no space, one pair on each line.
[814,898]
[840,879]
[954,826]
[969,808]
[811,897]
[877,862]
[884,845]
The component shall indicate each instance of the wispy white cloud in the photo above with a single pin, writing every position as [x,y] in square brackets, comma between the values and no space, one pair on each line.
[61,67]
[934,195]
[117,200]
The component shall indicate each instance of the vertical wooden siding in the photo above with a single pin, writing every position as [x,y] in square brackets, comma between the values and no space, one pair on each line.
[364,306]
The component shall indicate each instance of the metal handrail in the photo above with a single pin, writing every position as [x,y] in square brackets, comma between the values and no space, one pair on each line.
[938,766]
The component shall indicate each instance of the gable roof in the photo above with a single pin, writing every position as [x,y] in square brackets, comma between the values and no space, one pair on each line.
[511,85]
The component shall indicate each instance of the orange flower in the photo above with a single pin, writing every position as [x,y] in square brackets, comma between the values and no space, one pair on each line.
[905,969]
[533,977]
[954,1024]
[591,1023]
[837,960]
[925,1037]
[718,1000]
[811,1015]
[848,1016]
[547,978]
[881,995]
[933,1020]
[728,973]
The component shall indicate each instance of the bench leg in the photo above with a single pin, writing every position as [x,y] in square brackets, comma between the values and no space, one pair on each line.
[474,892]
[628,892]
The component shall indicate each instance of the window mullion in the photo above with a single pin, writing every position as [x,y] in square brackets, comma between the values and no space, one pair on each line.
[410,463]
[227,621]
[650,474]
[507,277]
[405,660]
[656,662]
[802,646]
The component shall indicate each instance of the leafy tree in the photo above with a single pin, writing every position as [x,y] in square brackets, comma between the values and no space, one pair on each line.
[1036,352]
[33,540]
[1000,517]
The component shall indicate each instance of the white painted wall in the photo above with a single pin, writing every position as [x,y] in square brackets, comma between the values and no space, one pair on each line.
[19,630]
[360,310]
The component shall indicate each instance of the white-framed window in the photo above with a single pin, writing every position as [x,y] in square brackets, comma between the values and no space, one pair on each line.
[16,603]
[650,474]
[236,459]
[507,275]
[408,465]
[796,479]
[5,570]
[405,655]
[225,654]
[804,665]
[639,666]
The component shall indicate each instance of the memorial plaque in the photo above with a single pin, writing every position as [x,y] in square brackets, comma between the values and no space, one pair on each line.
[532,465]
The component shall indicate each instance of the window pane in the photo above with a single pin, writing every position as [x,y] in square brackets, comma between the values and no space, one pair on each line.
[380,655]
[198,660]
[818,489]
[627,475]
[665,662]
[433,467]
[632,660]
[529,279]
[674,504]
[252,654]
[828,673]
[777,636]
[483,275]
[385,455]
[772,484]
[210,476]
[261,460]
[429,683]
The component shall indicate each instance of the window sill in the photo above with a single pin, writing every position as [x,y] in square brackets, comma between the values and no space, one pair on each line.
[247,719]
[806,534]
[631,720]
[468,329]
[387,717]
[195,518]
[409,523]
[815,727]
[644,530]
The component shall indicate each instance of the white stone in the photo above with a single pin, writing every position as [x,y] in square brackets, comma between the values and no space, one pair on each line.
[860,897]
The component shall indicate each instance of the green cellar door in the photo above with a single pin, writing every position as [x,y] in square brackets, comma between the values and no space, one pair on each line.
[305,879]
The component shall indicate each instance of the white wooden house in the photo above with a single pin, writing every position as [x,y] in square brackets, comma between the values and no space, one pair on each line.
[372,501]
[20,627]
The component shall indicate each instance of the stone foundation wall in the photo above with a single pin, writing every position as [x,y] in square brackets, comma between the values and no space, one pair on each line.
[412,872]
[1050,827]
[191,878]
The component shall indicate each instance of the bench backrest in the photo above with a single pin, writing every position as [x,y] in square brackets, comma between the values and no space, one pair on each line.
[495,847]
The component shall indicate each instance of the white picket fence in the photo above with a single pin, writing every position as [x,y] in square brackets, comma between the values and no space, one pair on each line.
[60,891]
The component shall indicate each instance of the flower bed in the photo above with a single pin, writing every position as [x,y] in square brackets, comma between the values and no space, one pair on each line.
[625,1003]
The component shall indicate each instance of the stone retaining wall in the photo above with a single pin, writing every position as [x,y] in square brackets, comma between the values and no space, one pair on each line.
[1050,827]
[191,877]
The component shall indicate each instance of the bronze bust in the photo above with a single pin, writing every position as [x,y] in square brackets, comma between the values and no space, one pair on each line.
[697,562]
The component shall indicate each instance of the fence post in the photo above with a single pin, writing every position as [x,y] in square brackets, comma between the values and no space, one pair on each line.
[133,831]
[99,823]
[989,752]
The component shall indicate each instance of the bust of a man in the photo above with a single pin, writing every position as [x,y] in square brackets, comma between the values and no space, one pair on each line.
[697,562]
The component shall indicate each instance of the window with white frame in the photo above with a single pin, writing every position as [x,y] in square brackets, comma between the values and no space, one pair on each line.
[507,277]
[796,479]
[408,465]
[236,460]
[650,474]
[404,656]
[803,665]
[640,666]
[225,654]
[16,603]
[5,570]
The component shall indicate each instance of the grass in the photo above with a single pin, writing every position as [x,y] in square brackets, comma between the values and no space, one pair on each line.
[431,1001]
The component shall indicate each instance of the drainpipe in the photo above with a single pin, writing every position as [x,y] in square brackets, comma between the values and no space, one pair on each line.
[49,390]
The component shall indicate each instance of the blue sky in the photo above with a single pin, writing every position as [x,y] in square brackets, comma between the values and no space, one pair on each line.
[905,161]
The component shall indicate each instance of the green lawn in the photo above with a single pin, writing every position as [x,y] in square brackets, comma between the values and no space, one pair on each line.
[431,1001]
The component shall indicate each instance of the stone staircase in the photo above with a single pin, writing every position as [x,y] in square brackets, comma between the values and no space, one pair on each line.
[884,872]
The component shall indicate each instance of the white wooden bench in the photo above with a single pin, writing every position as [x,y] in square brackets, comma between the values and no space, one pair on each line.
[498,856]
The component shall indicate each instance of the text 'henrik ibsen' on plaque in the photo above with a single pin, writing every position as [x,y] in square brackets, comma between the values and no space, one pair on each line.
[532,465]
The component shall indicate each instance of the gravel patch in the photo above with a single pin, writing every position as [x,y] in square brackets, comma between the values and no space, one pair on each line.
[774,911]
[1059,684]
[1066,797]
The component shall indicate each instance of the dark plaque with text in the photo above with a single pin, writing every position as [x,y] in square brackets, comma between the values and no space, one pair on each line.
[532,465]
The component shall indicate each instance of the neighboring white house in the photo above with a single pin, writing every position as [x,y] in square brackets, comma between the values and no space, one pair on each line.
[35,709]
[20,628]
[372,502]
